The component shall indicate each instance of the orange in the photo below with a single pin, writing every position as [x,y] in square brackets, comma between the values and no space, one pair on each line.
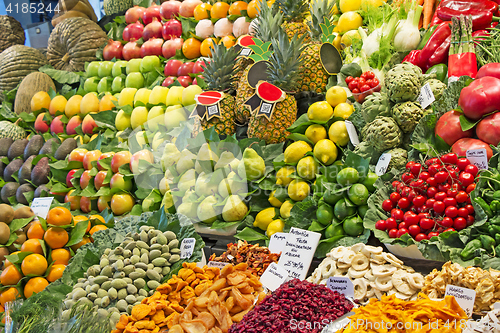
[219,10]
[56,237]
[36,231]
[80,218]
[228,41]
[35,285]
[2,309]
[97,217]
[9,295]
[40,100]
[202,11]
[32,245]
[56,271]
[253,8]
[34,264]
[206,45]
[96,228]
[10,276]
[237,7]
[191,48]
[84,241]
[59,216]
[7,263]
[60,256]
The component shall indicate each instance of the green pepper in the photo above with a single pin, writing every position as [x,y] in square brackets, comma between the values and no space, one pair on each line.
[426,37]
[469,250]
[495,220]
[496,195]
[484,206]
[497,239]
[494,230]
[488,243]
[488,195]
[495,206]
[441,71]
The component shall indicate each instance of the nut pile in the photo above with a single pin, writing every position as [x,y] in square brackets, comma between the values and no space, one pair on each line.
[488,324]
[485,283]
[372,271]
[128,274]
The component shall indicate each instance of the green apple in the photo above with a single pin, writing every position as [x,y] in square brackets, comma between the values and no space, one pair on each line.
[174,95]
[142,96]
[118,84]
[93,69]
[149,63]
[139,116]
[158,95]
[127,97]
[117,68]
[104,85]
[90,84]
[174,117]
[105,68]
[189,93]
[133,65]
[155,117]
[134,80]
[122,121]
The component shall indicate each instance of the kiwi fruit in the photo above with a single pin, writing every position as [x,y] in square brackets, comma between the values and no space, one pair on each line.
[3,252]
[6,213]
[23,213]
[21,237]
[4,233]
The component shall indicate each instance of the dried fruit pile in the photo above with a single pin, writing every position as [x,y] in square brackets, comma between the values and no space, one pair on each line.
[258,258]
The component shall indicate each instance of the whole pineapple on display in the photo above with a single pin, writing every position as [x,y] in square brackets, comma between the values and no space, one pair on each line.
[295,12]
[283,72]
[219,75]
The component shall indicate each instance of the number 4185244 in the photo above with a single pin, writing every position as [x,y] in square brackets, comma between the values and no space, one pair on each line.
[32,8]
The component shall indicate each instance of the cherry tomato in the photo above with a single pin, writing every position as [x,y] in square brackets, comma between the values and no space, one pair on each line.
[443,188]
[364,88]
[449,229]
[411,195]
[463,212]
[450,158]
[405,192]
[395,183]
[450,202]
[391,223]
[414,230]
[466,178]
[387,205]
[404,203]
[462,163]
[432,234]
[421,209]
[434,168]
[352,85]
[397,214]
[355,91]
[460,223]
[424,215]
[410,218]
[420,237]
[451,211]
[416,168]
[393,233]
[403,225]
[419,183]
[470,188]
[431,192]
[430,202]
[431,161]
[432,181]
[348,79]
[369,74]
[381,225]
[361,82]
[364,76]
[451,193]
[441,176]
[419,200]
[375,82]
[394,197]
[446,222]
[424,175]
[369,82]
[461,197]
[409,165]
[472,169]
[470,220]
[401,232]
[470,208]
[440,196]
[407,177]
[427,223]
[439,207]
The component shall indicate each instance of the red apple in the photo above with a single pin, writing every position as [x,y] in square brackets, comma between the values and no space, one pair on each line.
[103,203]
[99,179]
[103,156]
[118,181]
[119,159]
[41,126]
[168,81]
[85,179]
[199,67]
[88,204]
[185,69]
[171,46]
[74,200]
[77,155]
[88,125]
[172,67]
[122,203]
[170,9]
[89,157]
[69,177]
[57,126]
[145,155]
[185,80]
[171,29]
[73,123]
[133,14]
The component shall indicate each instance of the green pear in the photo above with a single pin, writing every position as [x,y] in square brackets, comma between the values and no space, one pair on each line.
[234,209]
[168,201]
[171,155]
[207,212]
[185,161]
[252,166]
[190,196]
[224,160]
[163,186]
[188,209]
[169,177]
[205,154]
[158,139]
[187,180]
[203,186]
[233,184]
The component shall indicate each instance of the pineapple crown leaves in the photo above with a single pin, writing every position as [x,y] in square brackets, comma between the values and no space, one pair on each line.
[328,35]
[219,73]
[268,22]
[294,10]
[321,11]
[260,49]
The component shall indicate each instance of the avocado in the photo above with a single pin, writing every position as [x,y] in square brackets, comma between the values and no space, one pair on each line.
[11,169]
[2,165]
[5,144]
[8,190]
[17,149]
[25,172]
[33,147]
[38,191]
[6,213]
[49,147]
[23,213]
[20,193]
[65,148]
[40,173]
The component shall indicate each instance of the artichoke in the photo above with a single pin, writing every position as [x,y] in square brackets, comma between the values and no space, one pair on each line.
[407,115]
[406,67]
[437,87]
[402,86]
[376,104]
[382,133]
[399,158]
[365,150]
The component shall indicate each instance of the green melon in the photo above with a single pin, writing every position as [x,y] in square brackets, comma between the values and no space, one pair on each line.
[116,6]
[11,130]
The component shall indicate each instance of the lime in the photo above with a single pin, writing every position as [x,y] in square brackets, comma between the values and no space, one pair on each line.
[331,171]
[325,151]
[334,229]
[338,133]
[324,214]
[320,111]
[362,210]
[316,226]
[307,168]
[348,176]
[353,226]
[370,180]
[336,95]
[316,132]
[343,110]
[358,194]
[332,198]
[295,151]
[342,209]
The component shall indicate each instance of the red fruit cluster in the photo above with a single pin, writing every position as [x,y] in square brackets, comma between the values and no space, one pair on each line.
[365,82]
[431,198]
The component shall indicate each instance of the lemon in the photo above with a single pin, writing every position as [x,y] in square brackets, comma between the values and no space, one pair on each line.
[264,218]
[325,151]
[295,151]
[274,227]
[349,21]
[338,133]
[307,168]
[316,132]
[336,95]
[274,201]
[366,4]
[335,10]
[343,110]
[298,190]
[336,42]
[348,38]
[282,176]
[286,208]
[349,5]
[320,111]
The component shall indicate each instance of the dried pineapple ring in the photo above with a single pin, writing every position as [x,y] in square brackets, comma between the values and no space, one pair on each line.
[355,274]
[382,270]
[399,279]
[377,259]
[341,271]
[369,275]
[415,280]
[383,283]
[337,252]
[360,288]
[368,250]
[360,262]
[328,268]
[358,247]
[343,265]
[391,258]
[347,257]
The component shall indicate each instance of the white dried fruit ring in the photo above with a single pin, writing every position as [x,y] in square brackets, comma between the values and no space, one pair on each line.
[378,293]
[341,271]
[359,288]
[323,281]
[383,283]
[337,253]
[360,262]
[355,274]
[403,296]
[328,268]
[399,280]
[347,257]
[369,250]
[369,275]
[377,259]
[416,280]
[382,270]
[370,291]
[391,258]
[408,269]
[343,265]
[358,247]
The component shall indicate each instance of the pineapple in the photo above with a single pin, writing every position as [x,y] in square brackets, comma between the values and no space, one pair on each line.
[219,75]
[283,73]
[313,76]
[295,12]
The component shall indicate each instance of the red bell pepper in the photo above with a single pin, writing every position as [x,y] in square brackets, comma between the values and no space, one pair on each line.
[491,69]
[436,50]
[436,20]
[481,11]
[413,57]
[481,97]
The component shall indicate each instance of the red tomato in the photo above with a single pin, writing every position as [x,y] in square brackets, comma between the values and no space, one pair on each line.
[369,75]
[424,175]
[381,225]
[393,233]
[470,208]
[451,211]
[404,203]
[434,168]
[463,212]
[432,234]
[472,169]
[348,79]
[391,223]
[419,200]
[414,230]
[431,181]
[352,85]
[450,158]
[355,91]
[462,163]
[450,202]
[451,193]
[460,223]
[427,223]
[430,202]
[407,177]
[439,207]
[470,220]
[461,146]
[397,214]
[364,88]
[440,196]
[387,205]
[361,82]
[466,178]
[401,232]
[446,222]
[461,197]
[448,128]
[441,176]
[449,229]
[470,188]
[420,237]
[375,82]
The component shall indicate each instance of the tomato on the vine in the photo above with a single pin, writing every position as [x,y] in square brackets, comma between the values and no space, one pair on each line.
[441,176]
[404,203]
[401,232]
[472,169]
[433,234]
[393,233]
[424,175]
[463,212]
[450,202]
[451,211]
[420,237]
[391,223]
[470,208]
[461,197]
[439,207]
[394,197]
[419,200]
[440,196]
[460,223]
[462,163]
[431,181]
[450,158]
[466,178]
[446,222]
[470,188]
[414,230]
[427,223]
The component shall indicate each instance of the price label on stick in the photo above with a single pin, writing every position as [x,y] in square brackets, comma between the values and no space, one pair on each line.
[187,247]
[341,284]
[274,276]
[426,96]
[465,297]
[383,164]
[351,131]
[478,157]
[41,206]
[277,242]
[219,264]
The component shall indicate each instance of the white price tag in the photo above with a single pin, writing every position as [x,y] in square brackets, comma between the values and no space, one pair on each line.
[353,135]
[452,79]
[465,297]
[478,157]
[383,164]
[219,264]
[274,276]
[277,242]
[426,96]
[299,251]
[246,51]
[341,284]
[230,257]
[187,247]
[41,206]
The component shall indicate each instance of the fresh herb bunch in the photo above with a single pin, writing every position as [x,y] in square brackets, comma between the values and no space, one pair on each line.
[82,319]
[35,314]
[487,47]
